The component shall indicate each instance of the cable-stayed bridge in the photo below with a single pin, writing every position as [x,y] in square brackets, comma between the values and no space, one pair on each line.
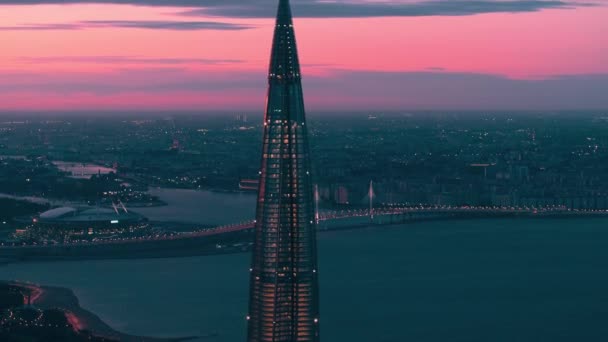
[237,237]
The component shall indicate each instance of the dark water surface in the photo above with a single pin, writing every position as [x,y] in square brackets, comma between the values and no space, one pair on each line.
[205,207]
[475,281]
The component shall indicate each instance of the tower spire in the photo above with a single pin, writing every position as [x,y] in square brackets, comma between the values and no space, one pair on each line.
[284,13]
[284,62]
[283,295]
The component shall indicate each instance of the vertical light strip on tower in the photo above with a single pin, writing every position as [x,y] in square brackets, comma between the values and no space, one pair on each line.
[284,297]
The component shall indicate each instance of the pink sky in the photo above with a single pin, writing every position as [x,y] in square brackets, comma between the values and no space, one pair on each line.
[515,54]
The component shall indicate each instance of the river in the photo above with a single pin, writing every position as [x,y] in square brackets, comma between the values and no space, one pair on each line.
[496,280]
[183,205]
[202,207]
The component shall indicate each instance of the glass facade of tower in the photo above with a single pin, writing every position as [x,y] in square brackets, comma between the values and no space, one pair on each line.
[284,298]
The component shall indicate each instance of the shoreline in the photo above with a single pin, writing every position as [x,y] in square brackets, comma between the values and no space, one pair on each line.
[49,297]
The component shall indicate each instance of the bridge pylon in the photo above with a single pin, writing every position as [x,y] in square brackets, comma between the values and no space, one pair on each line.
[317,199]
[371,200]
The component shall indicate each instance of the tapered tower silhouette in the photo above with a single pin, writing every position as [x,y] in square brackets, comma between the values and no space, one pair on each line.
[284,296]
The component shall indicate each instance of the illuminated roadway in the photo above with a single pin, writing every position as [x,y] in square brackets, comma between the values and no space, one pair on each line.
[395,211]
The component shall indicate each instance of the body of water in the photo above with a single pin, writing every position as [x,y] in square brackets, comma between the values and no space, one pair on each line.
[31,199]
[202,207]
[525,280]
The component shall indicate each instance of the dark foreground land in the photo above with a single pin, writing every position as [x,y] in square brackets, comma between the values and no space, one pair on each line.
[40,313]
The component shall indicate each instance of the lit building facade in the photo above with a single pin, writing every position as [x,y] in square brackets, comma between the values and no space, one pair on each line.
[284,296]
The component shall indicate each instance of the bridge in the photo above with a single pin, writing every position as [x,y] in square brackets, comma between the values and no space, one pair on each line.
[237,237]
[398,214]
[346,219]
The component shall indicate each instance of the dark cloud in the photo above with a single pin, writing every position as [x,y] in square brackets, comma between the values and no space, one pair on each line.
[140,24]
[359,9]
[339,90]
[155,3]
[336,9]
[117,60]
[166,25]
[41,27]
[449,90]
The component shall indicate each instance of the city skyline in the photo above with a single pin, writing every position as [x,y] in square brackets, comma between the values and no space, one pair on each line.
[407,55]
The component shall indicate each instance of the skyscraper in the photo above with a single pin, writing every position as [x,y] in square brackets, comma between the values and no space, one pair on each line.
[284,296]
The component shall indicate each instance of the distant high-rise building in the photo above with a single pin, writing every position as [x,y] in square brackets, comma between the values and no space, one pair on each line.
[284,297]
[241,118]
[175,146]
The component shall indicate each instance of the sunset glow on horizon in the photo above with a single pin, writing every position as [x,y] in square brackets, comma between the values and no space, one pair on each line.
[119,57]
